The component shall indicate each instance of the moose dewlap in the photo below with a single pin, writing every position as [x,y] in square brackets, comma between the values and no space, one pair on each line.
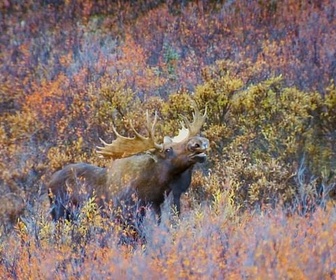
[142,172]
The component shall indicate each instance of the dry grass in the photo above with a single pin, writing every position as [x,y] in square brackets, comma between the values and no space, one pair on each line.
[211,241]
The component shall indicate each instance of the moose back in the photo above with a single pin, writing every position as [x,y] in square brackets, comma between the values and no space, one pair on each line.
[141,174]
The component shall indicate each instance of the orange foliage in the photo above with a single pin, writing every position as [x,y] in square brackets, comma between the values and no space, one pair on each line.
[47,99]
[132,68]
[267,245]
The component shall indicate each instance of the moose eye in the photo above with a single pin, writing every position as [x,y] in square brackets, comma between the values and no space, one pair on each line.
[169,150]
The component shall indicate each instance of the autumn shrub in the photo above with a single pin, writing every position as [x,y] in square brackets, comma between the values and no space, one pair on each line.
[163,46]
[266,139]
[269,143]
[264,133]
[211,241]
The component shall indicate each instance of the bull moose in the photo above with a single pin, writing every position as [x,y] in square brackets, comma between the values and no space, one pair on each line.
[142,172]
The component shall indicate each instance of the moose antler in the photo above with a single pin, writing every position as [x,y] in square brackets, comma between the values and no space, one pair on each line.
[190,129]
[124,146]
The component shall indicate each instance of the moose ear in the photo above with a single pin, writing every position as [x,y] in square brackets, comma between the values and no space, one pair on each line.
[167,140]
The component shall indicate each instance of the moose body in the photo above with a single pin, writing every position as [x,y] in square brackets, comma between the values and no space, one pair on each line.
[132,180]
[72,185]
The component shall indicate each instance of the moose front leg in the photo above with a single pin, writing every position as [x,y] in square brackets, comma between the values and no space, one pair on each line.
[180,186]
[58,209]
[177,201]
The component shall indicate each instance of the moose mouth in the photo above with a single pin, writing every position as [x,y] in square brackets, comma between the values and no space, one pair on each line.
[198,147]
[200,157]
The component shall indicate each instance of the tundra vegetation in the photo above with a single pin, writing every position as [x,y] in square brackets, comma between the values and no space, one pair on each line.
[261,206]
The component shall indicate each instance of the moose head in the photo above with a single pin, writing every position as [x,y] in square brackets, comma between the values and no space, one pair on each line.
[141,173]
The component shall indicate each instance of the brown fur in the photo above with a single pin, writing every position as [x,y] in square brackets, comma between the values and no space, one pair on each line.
[72,185]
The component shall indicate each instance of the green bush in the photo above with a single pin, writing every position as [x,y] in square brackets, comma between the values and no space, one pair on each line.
[264,133]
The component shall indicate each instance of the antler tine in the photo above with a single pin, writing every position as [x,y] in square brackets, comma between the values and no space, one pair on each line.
[124,146]
[116,133]
[137,134]
[190,129]
[198,119]
[151,128]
